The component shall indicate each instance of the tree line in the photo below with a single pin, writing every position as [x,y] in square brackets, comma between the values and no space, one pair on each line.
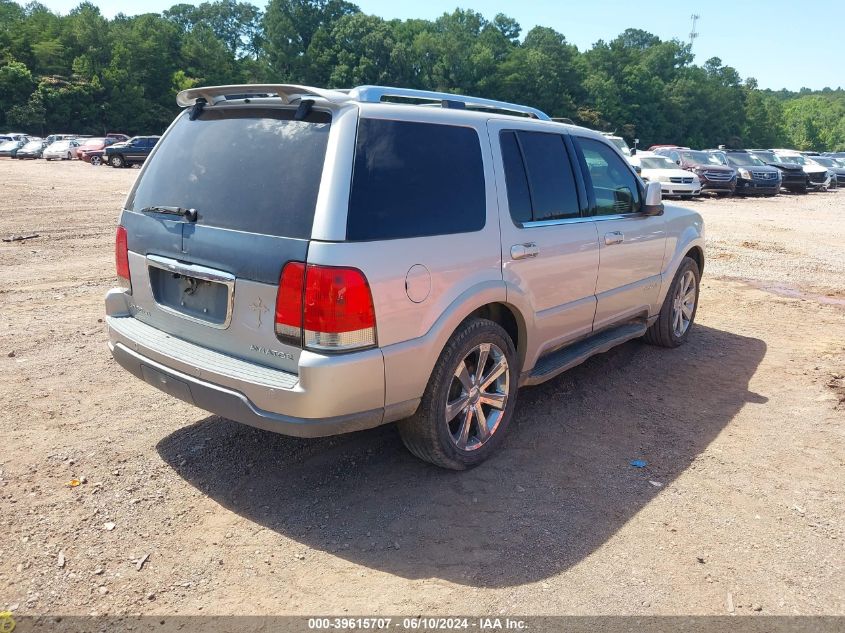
[84,73]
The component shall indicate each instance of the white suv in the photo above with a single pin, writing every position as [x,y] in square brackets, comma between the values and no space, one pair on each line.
[314,262]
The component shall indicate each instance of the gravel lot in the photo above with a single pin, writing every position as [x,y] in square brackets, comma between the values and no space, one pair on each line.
[740,509]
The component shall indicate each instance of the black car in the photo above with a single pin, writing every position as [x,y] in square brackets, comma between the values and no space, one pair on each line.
[127,153]
[793,176]
[754,177]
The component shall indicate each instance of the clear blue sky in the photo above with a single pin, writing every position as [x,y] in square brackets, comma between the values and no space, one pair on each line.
[783,43]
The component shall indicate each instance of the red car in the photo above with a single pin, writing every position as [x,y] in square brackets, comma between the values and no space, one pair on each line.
[96,156]
[92,145]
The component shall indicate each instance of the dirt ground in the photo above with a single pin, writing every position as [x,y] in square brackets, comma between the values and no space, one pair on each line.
[739,510]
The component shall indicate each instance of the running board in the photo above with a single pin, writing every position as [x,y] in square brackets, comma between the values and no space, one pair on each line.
[568,357]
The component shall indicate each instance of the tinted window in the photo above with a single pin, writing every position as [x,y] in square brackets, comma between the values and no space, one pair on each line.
[538,173]
[255,170]
[519,198]
[415,179]
[614,184]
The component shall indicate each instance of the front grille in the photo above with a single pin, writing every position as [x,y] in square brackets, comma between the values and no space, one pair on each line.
[764,175]
[818,177]
[680,181]
[722,176]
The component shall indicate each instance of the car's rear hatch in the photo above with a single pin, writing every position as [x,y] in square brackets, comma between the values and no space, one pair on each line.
[224,202]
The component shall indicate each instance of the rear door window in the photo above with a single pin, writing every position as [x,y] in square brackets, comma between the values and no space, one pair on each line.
[539,177]
[415,179]
[249,169]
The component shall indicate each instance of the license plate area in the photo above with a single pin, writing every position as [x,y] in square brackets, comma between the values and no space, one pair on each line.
[192,292]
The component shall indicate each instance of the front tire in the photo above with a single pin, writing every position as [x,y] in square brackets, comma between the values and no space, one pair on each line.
[469,400]
[677,314]
[96,161]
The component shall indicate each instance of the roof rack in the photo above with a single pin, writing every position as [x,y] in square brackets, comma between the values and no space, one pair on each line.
[377,94]
[361,94]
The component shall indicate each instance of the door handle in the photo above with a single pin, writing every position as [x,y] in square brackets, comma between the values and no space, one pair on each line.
[615,237]
[524,251]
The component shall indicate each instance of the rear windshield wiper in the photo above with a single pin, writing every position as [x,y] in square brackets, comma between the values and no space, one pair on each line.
[189,214]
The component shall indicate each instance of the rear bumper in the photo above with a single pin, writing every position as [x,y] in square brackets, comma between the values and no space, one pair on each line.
[234,405]
[331,394]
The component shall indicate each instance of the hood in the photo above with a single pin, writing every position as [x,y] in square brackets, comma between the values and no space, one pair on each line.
[786,166]
[761,168]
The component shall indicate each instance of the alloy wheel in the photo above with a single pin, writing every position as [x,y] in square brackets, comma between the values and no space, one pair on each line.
[683,306]
[478,396]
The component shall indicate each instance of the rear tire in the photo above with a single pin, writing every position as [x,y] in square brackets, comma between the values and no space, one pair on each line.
[677,314]
[117,161]
[480,400]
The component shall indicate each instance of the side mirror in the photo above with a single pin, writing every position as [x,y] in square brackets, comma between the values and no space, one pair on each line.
[653,199]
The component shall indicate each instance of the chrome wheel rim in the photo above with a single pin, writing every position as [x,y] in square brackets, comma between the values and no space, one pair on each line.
[477,397]
[95,160]
[683,306]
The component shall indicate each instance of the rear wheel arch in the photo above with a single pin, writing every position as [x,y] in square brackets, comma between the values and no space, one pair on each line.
[510,320]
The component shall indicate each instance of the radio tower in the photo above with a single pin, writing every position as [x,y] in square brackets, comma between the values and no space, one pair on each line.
[693,33]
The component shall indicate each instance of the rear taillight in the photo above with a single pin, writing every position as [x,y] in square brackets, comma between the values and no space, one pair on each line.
[324,307]
[121,257]
[289,303]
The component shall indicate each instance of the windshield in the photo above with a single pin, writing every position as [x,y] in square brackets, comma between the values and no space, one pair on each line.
[767,157]
[701,158]
[33,145]
[825,162]
[256,170]
[657,162]
[93,142]
[797,159]
[60,145]
[744,160]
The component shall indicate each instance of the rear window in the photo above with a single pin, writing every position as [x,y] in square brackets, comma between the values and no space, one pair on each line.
[415,179]
[540,182]
[255,170]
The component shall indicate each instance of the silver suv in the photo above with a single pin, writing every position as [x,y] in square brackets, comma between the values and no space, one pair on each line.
[315,262]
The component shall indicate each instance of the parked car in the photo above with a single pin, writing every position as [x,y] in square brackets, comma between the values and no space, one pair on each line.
[392,262]
[33,148]
[619,142]
[95,157]
[131,152]
[673,180]
[714,176]
[13,136]
[10,148]
[837,168]
[52,138]
[61,150]
[92,144]
[793,178]
[818,177]
[754,177]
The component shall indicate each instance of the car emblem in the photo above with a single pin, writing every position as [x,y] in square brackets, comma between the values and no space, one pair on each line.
[259,308]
